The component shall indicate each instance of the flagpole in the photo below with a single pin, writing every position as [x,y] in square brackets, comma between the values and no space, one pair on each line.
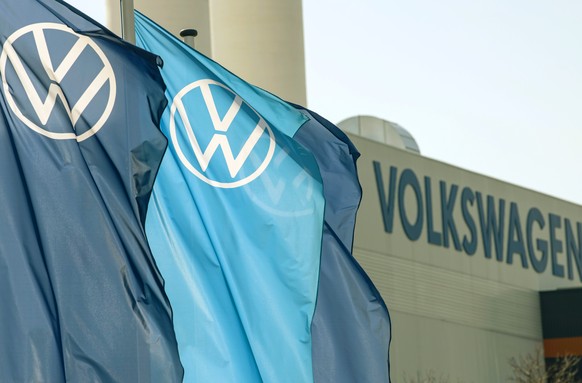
[127,21]
[188,36]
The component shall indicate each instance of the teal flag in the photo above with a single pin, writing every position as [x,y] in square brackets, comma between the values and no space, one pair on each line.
[234,223]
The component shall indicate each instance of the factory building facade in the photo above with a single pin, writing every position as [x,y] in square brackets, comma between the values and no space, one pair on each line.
[461,259]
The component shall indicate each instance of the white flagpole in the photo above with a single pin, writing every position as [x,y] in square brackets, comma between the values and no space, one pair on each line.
[188,36]
[127,21]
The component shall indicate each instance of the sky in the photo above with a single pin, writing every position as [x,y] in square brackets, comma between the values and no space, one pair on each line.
[492,86]
[94,8]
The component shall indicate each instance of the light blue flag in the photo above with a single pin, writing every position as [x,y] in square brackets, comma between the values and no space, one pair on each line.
[234,223]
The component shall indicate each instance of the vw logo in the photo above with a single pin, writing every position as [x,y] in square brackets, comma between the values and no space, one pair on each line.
[206,116]
[288,182]
[58,83]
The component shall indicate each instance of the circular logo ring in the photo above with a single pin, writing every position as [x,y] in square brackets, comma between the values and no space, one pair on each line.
[9,53]
[173,135]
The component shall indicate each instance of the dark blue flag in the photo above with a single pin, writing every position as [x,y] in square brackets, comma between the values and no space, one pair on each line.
[351,325]
[81,299]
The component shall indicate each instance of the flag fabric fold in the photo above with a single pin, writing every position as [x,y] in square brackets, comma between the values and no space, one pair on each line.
[351,325]
[81,299]
[235,222]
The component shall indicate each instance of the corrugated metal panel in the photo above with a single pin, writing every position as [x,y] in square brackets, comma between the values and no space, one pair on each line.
[437,293]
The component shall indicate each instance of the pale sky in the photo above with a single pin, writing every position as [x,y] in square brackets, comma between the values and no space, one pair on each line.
[94,8]
[491,86]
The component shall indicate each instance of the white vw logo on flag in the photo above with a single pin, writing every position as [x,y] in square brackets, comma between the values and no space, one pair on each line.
[44,108]
[220,126]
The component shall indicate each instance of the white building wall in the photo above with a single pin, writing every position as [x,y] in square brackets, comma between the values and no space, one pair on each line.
[260,41]
[461,316]
[457,352]
[175,15]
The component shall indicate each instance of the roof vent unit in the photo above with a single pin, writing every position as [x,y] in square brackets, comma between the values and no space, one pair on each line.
[379,130]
